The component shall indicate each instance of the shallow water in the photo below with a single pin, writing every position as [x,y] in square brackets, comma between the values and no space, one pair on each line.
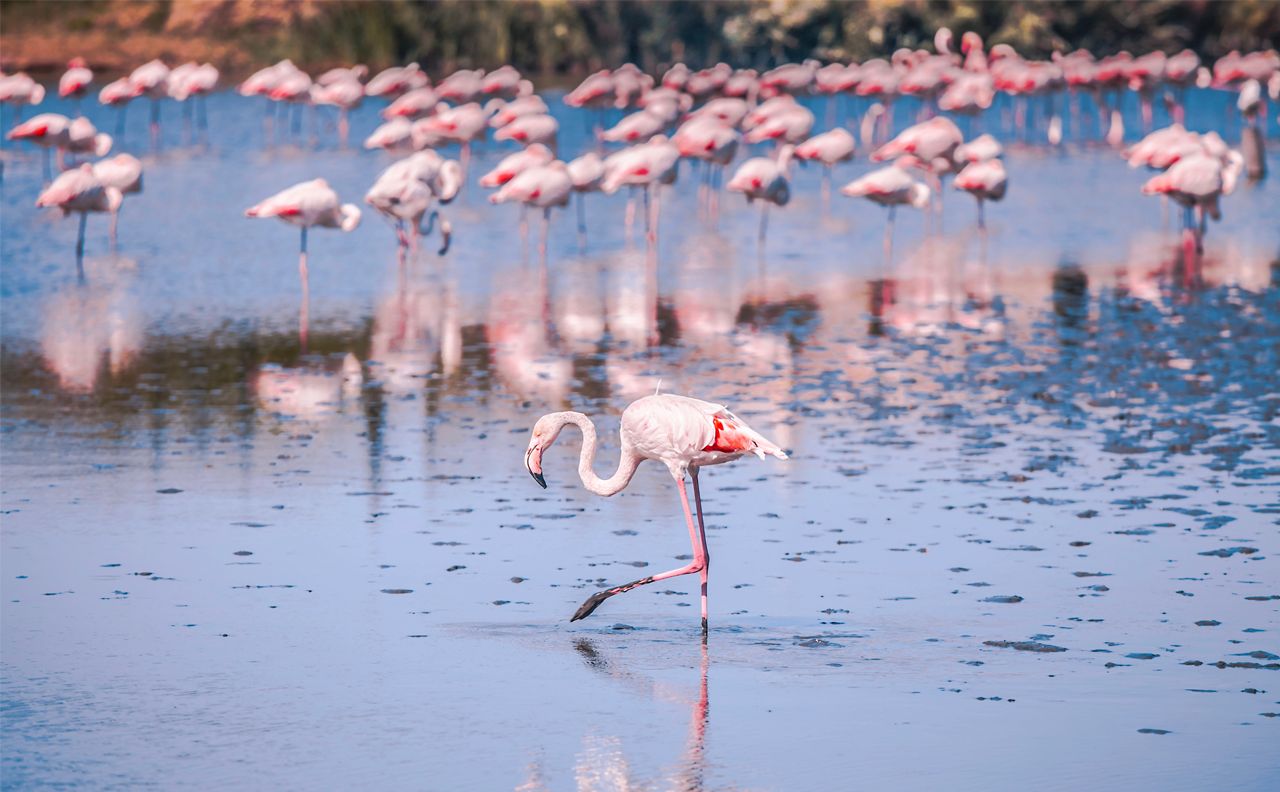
[1024,537]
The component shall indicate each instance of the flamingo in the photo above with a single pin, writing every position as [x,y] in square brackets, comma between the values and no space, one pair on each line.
[151,79]
[193,81]
[710,139]
[343,92]
[19,89]
[391,83]
[56,131]
[395,136]
[637,127]
[980,149]
[892,187]
[75,81]
[764,179]
[79,190]
[530,129]
[587,174]
[406,190]
[505,82]
[502,112]
[542,187]
[462,124]
[461,87]
[649,166]
[311,203]
[985,181]
[122,172]
[1197,182]
[514,164]
[683,433]
[790,125]
[829,148]
[414,104]
[933,143]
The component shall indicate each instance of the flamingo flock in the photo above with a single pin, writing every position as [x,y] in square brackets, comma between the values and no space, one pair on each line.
[762,125]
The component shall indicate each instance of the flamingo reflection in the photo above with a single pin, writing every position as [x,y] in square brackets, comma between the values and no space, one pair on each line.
[90,328]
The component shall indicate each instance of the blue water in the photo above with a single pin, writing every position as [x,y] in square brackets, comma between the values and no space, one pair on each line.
[229,560]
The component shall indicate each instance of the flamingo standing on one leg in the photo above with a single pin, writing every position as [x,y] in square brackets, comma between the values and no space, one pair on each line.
[682,433]
[985,181]
[892,187]
[122,172]
[151,79]
[829,148]
[542,186]
[79,190]
[587,175]
[766,180]
[312,203]
[75,81]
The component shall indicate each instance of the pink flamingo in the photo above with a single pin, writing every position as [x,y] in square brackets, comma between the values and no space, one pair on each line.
[395,136]
[418,103]
[1197,182]
[391,83]
[78,190]
[461,87]
[75,81]
[406,190]
[505,82]
[463,124]
[312,203]
[343,92]
[985,181]
[647,166]
[502,112]
[542,187]
[682,433]
[932,142]
[980,149]
[710,139]
[530,129]
[152,80]
[122,172]
[890,187]
[637,127]
[513,165]
[830,149]
[56,131]
[193,81]
[587,175]
[765,180]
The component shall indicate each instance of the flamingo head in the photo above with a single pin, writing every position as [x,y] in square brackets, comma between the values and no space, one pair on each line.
[545,432]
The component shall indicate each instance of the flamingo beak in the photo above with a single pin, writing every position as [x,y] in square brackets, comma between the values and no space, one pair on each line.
[533,463]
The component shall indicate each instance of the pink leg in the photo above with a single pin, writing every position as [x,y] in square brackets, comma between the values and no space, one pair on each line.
[698,565]
[305,310]
[702,543]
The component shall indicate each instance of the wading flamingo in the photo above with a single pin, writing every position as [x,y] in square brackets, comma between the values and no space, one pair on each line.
[682,433]
[78,190]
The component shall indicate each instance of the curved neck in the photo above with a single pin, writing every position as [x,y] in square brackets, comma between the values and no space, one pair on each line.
[627,464]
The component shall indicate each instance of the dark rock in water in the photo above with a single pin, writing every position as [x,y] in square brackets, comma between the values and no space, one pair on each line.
[456,567]
[397,591]
[169,491]
[243,553]
[1259,655]
[1142,656]
[622,627]
[1081,544]
[1208,623]
[1263,597]
[1091,574]
[1004,599]
[501,602]
[815,642]
[1154,731]
[1025,646]
[1227,552]
[1087,513]
[518,579]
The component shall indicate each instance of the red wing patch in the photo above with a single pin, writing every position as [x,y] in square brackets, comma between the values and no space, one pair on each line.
[729,438]
[289,211]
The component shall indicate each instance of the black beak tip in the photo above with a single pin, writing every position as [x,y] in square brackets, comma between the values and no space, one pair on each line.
[542,482]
